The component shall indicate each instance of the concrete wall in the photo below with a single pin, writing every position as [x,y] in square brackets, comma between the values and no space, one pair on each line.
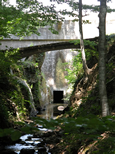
[67,31]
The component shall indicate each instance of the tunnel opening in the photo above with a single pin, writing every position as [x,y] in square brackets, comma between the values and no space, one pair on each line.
[58,96]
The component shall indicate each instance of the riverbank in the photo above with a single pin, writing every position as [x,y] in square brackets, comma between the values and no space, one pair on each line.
[43,142]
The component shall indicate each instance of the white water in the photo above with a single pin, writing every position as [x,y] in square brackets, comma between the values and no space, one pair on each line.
[29,144]
[32,104]
[17,147]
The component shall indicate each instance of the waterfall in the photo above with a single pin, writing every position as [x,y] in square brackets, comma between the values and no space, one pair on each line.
[53,69]
[32,104]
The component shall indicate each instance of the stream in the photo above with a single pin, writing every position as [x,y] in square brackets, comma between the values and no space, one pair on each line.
[31,144]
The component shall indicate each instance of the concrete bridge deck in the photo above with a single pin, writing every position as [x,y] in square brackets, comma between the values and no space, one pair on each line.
[66,32]
[28,51]
[47,41]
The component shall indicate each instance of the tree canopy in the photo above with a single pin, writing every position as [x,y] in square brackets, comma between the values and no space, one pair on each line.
[26,17]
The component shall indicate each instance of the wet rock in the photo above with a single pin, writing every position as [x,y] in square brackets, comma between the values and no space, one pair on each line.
[29,138]
[47,134]
[22,142]
[57,140]
[41,144]
[7,151]
[39,109]
[60,133]
[40,134]
[57,110]
[60,108]
[42,150]
[43,108]
[27,151]
[52,139]
[67,109]
[48,140]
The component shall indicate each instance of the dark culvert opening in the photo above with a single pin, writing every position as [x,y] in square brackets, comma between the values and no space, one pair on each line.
[58,96]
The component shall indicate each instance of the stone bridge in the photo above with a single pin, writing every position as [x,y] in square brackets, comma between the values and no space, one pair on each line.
[28,51]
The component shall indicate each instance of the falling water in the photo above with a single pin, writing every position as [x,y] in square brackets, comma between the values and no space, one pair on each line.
[54,59]
[32,105]
[50,67]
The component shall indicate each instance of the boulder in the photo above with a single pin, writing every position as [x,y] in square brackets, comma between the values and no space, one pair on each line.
[27,151]
[7,151]
[42,150]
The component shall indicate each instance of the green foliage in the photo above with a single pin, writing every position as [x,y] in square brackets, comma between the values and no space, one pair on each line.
[84,129]
[105,146]
[15,134]
[75,8]
[3,114]
[110,39]
[25,18]
[28,16]
[12,99]
[77,131]
[90,125]
[13,93]
[28,63]
[76,70]
[60,74]
[6,60]
[10,132]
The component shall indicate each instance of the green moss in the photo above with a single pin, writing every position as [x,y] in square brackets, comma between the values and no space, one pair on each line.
[60,76]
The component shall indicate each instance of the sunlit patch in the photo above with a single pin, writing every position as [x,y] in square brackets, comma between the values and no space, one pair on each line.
[18,147]
[68,57]
[51,81]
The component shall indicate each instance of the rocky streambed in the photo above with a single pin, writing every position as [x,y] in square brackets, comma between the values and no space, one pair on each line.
[44,142]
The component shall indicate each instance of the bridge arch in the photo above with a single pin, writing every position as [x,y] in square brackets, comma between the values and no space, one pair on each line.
[28,51]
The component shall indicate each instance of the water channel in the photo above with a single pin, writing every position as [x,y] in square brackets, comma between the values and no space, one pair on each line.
[31,142]
[52,110]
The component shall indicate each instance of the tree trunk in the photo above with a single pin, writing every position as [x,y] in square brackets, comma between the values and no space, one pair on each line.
[85,67]
[102,74]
